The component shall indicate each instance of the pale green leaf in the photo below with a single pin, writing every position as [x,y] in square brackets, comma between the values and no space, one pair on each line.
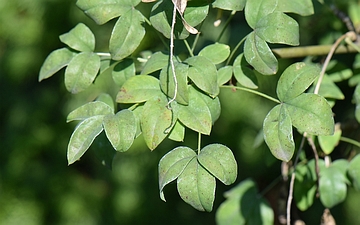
[178,132]
[123,71]
[256,10]
[79,38]
[156,62]
[90,109]
[328,143]
[243,73]
[127,34]
[107,99]
[216,53]
[301,7]
[229,5]
[81,71]
[224,74]
[354,172]
[332,187]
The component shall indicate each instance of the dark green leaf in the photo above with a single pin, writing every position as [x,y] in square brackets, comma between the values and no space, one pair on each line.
[90,109]
[196,186]
[216,53]
[354,172]
[156,62]
[79,38]
[259,55]
[82,137]
[172,165]
[243,73]
[123,71]
[229,5]
[55,62]
[81,71]
[278,133]
[224,74]
[127,34]
[256,10]
[332,186]
[138,89]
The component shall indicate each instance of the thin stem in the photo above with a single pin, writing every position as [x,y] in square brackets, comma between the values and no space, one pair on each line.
[226,25]
[104,54]
[188,48]
[133,106]
[235,49]
[350,141]
[196,39]
[199,142]
[252,91]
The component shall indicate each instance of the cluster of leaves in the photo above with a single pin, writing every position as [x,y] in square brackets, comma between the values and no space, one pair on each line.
[194,83]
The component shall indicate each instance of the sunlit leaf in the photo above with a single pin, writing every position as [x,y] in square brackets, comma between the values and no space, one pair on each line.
[277,27]
[259,55]
[123,71]
[90,109]
[216,53]
[157,61]
[243,73]
[332,186]
[301,7]
[220,162]
[172,165]
[311,113]
[196,186]
[55,62]
[81,71]
[229,5]
[295,80]
[120,129]
[278,133]
[224,74]
[256,10]
[82,137]
[138,89]
[79,38]
[354,172]
[127,34]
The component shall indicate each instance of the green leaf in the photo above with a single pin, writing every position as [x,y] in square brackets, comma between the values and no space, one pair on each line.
[79,38]
[214,106]
[127,34]
[258,54]
[172,165]
[82,137]
[220,162]
[328,143]
[196,115]
[167,82]
[55,62]
[301,7]
[216,53]
[103,11]
[332,187]
[278,133]
[311,113]
[243,73]
[224,74]
[328,89]
[229,5]
[90,109]
[138,89]
[178,132]
[156,62]
[354,172]
[295,80]
[357,102]
[123,71]
[196,186]
[305,186]
[120,129]
[156,119]
[279,28]
[81,71]
[256,10]
[107,99]
[103,150]
[204,74]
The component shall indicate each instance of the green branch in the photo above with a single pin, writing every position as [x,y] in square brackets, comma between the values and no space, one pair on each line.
[252,91]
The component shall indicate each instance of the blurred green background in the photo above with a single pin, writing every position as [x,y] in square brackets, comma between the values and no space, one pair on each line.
[37,186]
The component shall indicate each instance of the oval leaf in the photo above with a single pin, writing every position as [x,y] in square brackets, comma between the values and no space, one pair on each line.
[127,34]
[328,143]
[278,133]
[120,129]
[220,162]
[138,89]
[178,132]
[81,71]
[172,165]
[216,53]
[244,74]
[90,109]
[83,136]
[79,38]
[196,186]
[224,74]
[332,187]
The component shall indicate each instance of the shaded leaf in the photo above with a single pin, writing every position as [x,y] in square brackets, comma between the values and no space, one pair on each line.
[229,5]
[304,186]
[172,165]
[79,38]
[123,71]
[354,172]
[55,61]
[81,71]
[328,89]
[96,108]
[127,34]
[213,104]
[82,137]
[216,53]
[357,102]
[224,74]
[243,73]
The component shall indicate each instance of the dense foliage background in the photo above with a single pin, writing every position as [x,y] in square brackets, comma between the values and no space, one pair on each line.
[37,186]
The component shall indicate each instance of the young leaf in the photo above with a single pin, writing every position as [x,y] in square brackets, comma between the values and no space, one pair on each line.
[120,129]
[243,73]
[79,38]
[259,55]
[196,186]
[138,89]
[103,11]
[156,62]
[172,165]
[127,34]
[295,80]
[354,172]
[278,133]
[123,71]
[81,71]
[216,53]
[204,74]
[229,5]
[220,162]
[256,10]
[224,74]
[82,137]
[311,113]
[196,115]
[155,120]
[96,108]
[55,62]
[279,28]
[332,187]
